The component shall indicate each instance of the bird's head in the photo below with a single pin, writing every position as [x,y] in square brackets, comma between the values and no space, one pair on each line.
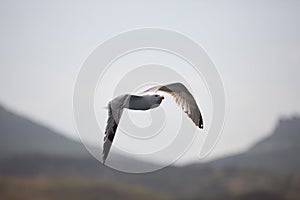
[155,99]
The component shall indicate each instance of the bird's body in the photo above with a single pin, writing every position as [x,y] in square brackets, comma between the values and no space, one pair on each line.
[145,102]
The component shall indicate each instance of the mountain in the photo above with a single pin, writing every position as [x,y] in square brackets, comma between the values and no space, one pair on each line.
[21,136]
[37,159]
[277,152]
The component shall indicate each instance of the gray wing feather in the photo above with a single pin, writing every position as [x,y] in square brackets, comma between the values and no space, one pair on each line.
[183,98]
[115,110]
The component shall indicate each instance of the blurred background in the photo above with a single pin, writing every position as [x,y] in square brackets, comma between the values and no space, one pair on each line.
[255,46]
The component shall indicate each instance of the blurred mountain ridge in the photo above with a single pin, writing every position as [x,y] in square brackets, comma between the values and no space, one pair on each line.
[21,136]
[277,152]
[268,170]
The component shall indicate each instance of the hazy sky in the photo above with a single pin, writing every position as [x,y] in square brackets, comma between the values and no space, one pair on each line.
[255,47]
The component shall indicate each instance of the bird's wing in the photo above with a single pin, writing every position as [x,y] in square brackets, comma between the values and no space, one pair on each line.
[115,110]
[183,98]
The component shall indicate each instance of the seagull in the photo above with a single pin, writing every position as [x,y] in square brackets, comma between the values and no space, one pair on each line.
[144,101]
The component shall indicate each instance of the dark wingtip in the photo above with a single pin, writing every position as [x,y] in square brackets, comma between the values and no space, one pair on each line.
[200,124]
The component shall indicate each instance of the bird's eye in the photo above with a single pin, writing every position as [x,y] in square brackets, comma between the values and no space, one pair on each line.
[156,95]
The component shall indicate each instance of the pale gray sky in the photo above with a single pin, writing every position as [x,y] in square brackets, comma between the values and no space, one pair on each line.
[255,45]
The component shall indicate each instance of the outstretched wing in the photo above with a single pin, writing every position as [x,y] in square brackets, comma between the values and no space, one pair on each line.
[115,110]
[183,98]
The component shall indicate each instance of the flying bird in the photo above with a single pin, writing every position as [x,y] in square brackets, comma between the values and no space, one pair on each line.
[144,101]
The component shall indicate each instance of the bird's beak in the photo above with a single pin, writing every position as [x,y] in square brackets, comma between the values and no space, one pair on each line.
[162,97]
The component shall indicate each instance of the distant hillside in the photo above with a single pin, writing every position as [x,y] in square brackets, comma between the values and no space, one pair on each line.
[278,152]
[20,136]
[29,150]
